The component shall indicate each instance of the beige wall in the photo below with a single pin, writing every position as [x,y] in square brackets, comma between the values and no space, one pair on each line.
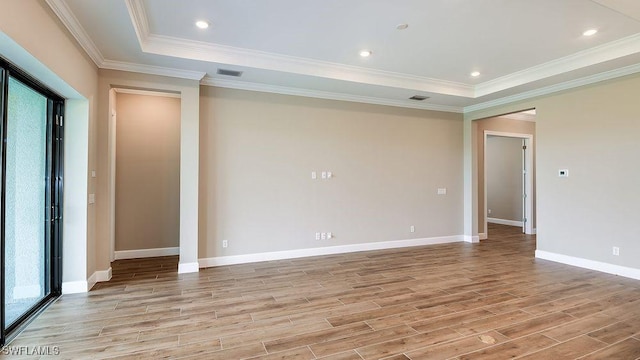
[506,125]
[258,151]
[147,172]
[593,132]
[38,30]
[504,178]
[55,58]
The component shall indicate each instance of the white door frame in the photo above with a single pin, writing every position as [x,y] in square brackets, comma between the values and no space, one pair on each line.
[528,201]
[112,154]
[112,179]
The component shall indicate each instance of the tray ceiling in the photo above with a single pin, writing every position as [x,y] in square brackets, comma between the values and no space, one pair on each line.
[521,48]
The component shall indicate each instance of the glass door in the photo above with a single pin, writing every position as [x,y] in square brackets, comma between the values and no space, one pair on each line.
[25,196]
[31,190]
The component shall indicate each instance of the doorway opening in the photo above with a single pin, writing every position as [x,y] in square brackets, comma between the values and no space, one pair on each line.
[145,173]
[508,180]
[506,172]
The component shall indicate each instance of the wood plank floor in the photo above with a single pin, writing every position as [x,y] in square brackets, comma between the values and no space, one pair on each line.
[491,300]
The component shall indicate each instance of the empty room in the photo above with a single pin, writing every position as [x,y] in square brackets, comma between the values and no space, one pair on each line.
[224,179]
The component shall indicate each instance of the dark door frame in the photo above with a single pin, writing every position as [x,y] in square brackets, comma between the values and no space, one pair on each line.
[53,190]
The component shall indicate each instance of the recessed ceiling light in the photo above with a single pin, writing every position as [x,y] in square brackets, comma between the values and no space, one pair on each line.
[365,53]
[475,74]
[590,32]
[202,24]
[402,26]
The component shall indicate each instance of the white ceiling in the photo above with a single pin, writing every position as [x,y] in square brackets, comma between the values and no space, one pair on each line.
[522,48]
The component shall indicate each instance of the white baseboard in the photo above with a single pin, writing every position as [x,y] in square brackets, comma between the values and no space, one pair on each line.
[184,268]
[104,275]
[505,222]
[98,276]
[471,239]
[329,250]
[92,280]
[75,287]
[483,236]
[145,253]
[590,264]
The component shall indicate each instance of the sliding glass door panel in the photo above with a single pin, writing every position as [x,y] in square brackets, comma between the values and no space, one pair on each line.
[31,177]
[26,229]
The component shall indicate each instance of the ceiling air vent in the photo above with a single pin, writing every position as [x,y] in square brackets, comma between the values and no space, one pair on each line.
[229,72]
[418,97]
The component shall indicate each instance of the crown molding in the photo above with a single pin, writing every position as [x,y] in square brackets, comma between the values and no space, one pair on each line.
[519,117]
[69,20]
[283,90]
[139,19]
[146,92]
[607,75]
[203,51]
[197,50]
[152,70]
[596,55]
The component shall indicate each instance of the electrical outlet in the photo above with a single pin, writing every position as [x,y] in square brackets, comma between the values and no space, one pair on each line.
[225,243]
[412,228]
[329,235]
[323,236]
[616,251]
[489,211]
[317,236]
